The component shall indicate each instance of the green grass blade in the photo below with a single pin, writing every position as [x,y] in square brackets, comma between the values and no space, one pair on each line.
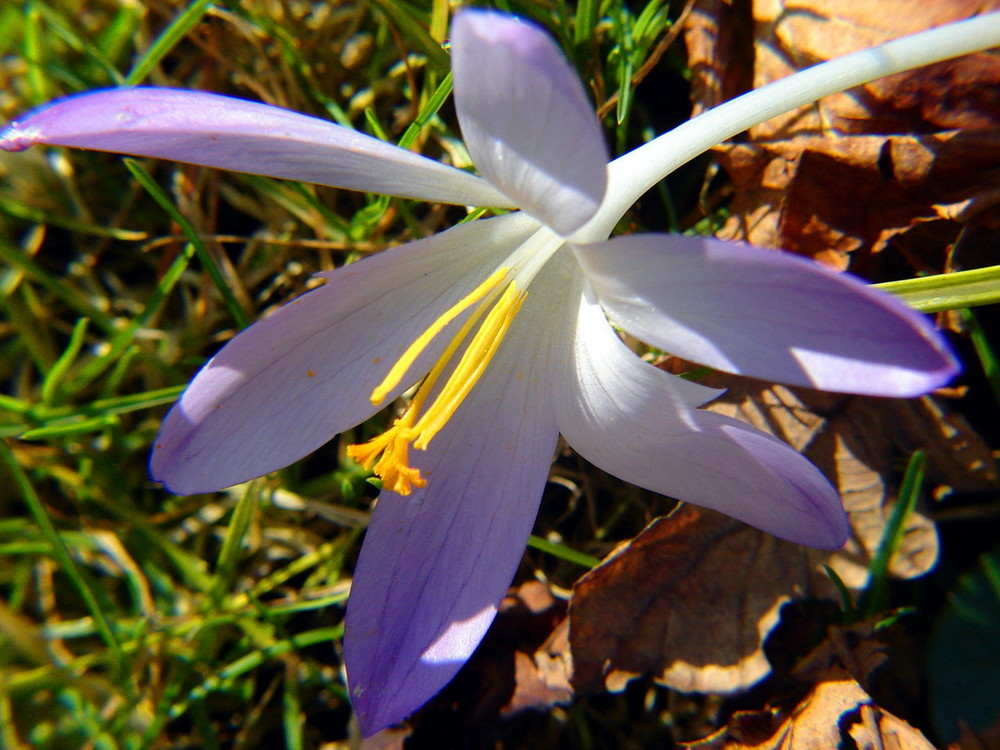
[36,216]
[61,421]
[146,180]
[431,108]
[875,597]
[176,31]
[17,259]
[34,54]
[292,710]
[563,552]
[54,377]
[410,23]
[984,350]
[846,600]
[61,429]
[948,291]
[115,38]
[59,26]
[587,12]
[67,563]
[232,544]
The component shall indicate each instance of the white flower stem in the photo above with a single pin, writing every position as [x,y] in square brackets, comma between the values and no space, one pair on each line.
[633,174]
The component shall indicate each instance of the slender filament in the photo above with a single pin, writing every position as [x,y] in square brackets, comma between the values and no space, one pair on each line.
[388,454]
[413,351]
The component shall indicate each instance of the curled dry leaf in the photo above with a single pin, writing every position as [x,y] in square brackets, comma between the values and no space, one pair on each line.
[794,34]
[836,709]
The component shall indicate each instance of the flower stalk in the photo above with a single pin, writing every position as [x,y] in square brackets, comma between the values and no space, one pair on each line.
[631,175]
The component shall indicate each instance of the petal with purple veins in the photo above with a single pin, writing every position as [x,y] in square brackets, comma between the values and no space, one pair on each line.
[766,315]
[436,563]
[292,381]
[227,133]
[629,418]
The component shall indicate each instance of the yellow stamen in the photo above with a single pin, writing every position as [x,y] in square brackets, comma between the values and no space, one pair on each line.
[413,351]
[393,445]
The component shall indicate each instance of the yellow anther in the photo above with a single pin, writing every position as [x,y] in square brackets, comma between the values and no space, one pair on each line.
[393,467]
[399,369]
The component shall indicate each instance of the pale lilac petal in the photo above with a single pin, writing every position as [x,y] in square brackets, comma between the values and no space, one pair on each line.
[227,133]
[526,120]
[292,381]
[766,314]
[436,564]
[626,417]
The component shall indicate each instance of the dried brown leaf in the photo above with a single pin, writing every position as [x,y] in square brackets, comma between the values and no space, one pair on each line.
[790,194]
[846,175]
[880,730]
[690,600]
[392,738]
[502,676]
[733,47]
[795,34]
[835,709]
[720,60]
[542,679]
[988,739]
[856,441]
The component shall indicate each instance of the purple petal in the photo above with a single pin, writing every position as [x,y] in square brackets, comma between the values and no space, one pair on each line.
[628,418]
[766,314]
[289,383]
[526,120]
[436,564]
[227,133]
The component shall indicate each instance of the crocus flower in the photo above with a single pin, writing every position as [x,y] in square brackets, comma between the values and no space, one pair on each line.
[504,325]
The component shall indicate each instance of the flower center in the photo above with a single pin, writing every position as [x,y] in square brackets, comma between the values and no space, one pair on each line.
[497,301]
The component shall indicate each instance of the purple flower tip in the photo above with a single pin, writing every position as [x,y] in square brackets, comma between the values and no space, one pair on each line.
[13,138]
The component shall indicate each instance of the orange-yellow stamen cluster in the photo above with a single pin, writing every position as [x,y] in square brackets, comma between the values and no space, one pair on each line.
[393,466]
[388,454]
